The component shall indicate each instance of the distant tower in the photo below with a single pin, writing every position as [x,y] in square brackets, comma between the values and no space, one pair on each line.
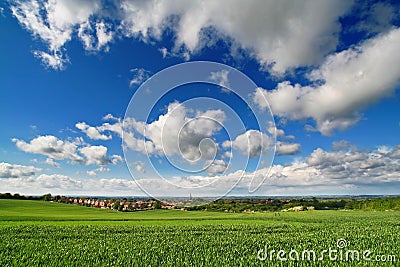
[190,196]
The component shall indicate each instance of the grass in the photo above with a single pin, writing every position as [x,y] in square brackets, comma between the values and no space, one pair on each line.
[39,211]
[50,234]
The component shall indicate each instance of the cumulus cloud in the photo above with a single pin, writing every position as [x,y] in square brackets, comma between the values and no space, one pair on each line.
[76,151]
[94,172]
[275,131]
[395,153]
[115,159]
[51,162]
[8,170]
[217,167]
[252,143]
[345,169]
[284,148]
[178,133]
[280,35]
[345,84]
[328,171]
[181,132]
[51,147]
[331,171]
[62,184]
[103,132]
[92,132]
[58,181]
[95,155]
[335,171]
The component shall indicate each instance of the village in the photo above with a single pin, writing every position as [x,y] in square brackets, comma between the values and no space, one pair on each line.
[116,204]
[129,205]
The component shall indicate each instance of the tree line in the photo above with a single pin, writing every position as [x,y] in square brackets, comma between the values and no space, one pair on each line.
[261,205]
[274,205]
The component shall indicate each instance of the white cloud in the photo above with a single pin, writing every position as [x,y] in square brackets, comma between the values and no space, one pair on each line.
[76,151]
[395,153]
[51,147]
[8,170]
[53,22]
[138,144]
[282,34]
[91,173]
[139,76]
[92,132]
[115,159]
[55,59]
[95,37]
[252,143]
[188,134]
[100,169]
[228,154]
[58,181]
[178,133]
[384,149]
[346,170]
[109,117]
[164,52]
[334,171]
[217,167]
[221,78]
[272,129]
[51,162]
[95,155]
[140,167]
[345,84]
[322,171]
[284,148]
[65,185]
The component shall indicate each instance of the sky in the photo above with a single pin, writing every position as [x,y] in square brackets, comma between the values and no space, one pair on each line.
[178,98]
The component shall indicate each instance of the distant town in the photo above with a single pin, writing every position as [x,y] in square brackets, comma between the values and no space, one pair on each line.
[239,204]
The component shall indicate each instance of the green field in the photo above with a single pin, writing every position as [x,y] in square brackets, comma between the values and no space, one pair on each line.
[50,234]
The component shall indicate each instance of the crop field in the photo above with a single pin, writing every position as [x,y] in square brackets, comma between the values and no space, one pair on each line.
[34,233]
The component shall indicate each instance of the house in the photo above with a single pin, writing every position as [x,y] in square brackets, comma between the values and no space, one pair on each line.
[297,208]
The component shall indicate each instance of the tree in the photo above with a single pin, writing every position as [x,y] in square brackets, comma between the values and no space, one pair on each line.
[46,197]
[157,205]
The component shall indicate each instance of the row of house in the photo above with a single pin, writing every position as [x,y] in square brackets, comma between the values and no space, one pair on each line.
[121,205]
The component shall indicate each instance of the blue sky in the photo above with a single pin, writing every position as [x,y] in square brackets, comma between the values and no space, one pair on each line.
[328,70]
